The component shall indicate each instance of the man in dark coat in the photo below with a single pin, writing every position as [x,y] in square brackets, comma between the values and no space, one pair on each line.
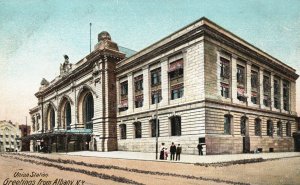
[178,152]
[172,151]
[199,146]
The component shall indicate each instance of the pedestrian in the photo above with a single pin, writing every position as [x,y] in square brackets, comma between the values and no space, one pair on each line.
[162,152]
[199,146]
[166,153]
[178,152]
[172,151]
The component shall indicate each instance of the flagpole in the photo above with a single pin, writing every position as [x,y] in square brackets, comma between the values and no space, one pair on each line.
[90,37]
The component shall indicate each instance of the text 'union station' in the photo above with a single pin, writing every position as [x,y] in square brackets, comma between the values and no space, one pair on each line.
[207,84]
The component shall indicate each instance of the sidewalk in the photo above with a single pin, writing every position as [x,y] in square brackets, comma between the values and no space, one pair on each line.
[184,158]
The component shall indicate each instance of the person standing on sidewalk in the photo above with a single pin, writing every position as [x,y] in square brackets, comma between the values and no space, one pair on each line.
[178,152]
[172,151]
[199,146]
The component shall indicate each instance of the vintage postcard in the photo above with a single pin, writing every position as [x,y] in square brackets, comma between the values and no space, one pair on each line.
[149,92]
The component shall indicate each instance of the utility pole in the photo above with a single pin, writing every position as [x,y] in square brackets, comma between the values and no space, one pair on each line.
[156,127]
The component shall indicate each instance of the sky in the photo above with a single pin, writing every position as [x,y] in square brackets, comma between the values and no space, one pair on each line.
[34,35]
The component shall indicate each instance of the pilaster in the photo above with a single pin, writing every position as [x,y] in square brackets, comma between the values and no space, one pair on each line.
[261,87]
[272,91]
[146,87]
[248,83]
[130,93]
[164,82]
[233,80]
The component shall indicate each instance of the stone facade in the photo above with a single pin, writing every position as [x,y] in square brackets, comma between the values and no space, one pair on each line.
[10,135]
[211,87]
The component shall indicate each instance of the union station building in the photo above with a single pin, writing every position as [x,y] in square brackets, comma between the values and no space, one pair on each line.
[206,84]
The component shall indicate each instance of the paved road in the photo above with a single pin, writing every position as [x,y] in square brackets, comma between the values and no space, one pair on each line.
[185,158]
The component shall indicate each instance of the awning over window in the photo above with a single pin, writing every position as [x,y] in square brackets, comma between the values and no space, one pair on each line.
[254,93]
[176,65]
[138,78]
[123,103]
[140,97]
[240,92]
[156,91]
[224,85]
[177,86]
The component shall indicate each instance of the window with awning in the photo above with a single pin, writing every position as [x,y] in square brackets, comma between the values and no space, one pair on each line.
[176,65]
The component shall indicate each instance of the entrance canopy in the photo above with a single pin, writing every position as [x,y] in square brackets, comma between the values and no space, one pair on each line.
[72,132]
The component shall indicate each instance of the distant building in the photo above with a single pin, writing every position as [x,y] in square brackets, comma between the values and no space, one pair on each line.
[10,135]
[25,130]
[207,84]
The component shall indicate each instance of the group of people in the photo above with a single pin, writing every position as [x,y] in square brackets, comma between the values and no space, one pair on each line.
[173,150]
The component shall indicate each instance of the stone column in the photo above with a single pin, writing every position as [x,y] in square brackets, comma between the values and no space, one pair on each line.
[164,82]
[146,87]
[118,94]
[248,83]
[130,93]
[272,91]
[233,80]
[261,87]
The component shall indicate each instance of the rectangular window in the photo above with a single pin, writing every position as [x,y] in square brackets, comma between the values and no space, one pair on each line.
[155,96]
[123,131]
[240,75]
[288,129]
[254,81]
[279,129]
[286,95]
[266,100]
[138,83]
[124,88]
[254,98]
[257,127]
[225,90]
[224,68]
[175,126]
[177,92]
[156,77]
[269,128]
[138,129]
[276,94]
[139,101]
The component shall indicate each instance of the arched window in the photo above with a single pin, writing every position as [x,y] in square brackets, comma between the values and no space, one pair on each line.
[153,127]
[52,118]
[175,125]
[88,110]
[257,127]
[243,125]
[279,128]
[288,129]
[137,129]
[68,115]
[227,124]
[269,128]
[122,131]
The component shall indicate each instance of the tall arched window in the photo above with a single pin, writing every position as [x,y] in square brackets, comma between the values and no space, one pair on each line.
[257,126]
[175,125]
[68,115]
[52,118]
[88,110]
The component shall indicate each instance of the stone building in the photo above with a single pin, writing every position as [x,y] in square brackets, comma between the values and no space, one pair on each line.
[206,84]
[10,135]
